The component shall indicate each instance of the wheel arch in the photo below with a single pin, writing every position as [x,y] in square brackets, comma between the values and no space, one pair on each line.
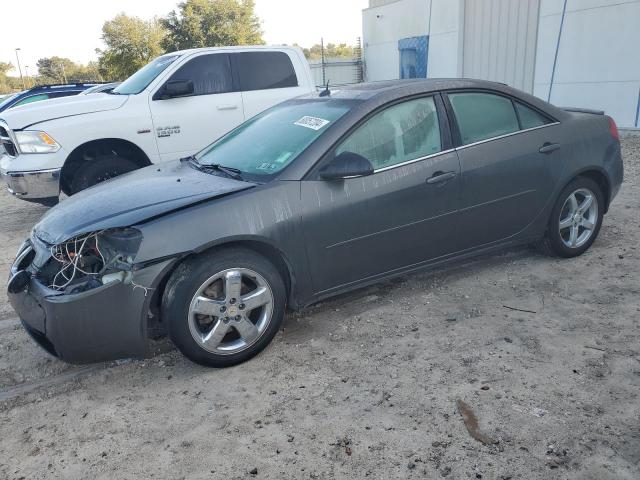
[601,178]
[267,250]
[261,246]
[103,146]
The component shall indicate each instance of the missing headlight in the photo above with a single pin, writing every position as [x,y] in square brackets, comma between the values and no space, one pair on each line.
[78,264]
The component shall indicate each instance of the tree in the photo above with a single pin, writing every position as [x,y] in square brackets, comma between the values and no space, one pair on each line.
[212,23]
[131,44]
[8,84]
[4,68]
[331,50]
[63,70]
[55,69]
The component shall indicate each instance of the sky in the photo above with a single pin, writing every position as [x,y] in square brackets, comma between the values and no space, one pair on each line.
[42,28]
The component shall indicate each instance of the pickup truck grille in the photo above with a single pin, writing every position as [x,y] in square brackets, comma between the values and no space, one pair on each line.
[6,141]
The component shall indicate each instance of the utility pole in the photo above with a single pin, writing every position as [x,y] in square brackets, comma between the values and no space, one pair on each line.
[324,79]
[26,74]
[20,69]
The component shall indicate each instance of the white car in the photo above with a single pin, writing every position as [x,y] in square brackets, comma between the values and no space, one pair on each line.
[171,108]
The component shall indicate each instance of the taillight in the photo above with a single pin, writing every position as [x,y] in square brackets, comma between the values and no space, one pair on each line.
[613,128]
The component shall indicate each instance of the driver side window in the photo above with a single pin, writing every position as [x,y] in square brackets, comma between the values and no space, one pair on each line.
[210,74]
[403,132]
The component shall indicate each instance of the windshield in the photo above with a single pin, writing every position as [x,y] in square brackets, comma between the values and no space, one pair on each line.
[269,142]
[143,77]
[6,101]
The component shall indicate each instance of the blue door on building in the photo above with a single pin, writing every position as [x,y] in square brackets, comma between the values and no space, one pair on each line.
[414,53]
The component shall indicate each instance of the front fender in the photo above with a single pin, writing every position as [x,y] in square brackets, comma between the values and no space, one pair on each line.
[266,216]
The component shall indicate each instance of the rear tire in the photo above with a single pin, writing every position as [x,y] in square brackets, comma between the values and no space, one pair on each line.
[100,169]
[222,308]
[575,220]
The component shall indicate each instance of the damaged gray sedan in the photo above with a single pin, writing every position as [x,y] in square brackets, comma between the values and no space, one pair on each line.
[314,197]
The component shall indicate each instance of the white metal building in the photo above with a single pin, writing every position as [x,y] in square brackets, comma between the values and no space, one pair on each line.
[579,53]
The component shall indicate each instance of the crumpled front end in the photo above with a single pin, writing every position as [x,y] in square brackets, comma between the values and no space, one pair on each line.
[84,300]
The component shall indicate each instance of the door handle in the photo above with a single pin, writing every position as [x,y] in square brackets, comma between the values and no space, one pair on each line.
[439,177]
[549,147]
[227,107]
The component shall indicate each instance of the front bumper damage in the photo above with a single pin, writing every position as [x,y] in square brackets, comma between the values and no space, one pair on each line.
[104,323]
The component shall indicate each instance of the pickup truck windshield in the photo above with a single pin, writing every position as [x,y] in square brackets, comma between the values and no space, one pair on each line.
[143,77]
[264,145]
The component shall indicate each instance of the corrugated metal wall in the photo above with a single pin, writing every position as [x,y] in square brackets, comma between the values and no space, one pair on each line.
[500,41]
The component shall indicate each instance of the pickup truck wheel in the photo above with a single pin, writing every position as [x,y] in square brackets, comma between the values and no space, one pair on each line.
[224,307]
[100,169]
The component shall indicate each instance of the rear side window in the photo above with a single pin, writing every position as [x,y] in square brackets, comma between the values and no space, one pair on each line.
[529,118]
[264,70]
[31,99]
[210,74]
[403,132]
[481,116]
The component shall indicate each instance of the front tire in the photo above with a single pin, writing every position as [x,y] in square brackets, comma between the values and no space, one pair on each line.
[224,307]
[99,170]
[576,219]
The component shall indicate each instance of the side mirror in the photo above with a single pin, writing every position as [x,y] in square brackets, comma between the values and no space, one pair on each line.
[177,88]
[346,164]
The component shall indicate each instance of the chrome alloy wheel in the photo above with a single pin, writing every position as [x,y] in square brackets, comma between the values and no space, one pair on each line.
[578,218]
[230,311]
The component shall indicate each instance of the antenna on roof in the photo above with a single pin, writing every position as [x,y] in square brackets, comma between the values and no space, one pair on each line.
[326,92]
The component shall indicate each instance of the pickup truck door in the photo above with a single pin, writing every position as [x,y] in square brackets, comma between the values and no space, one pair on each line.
[187,124]
[267,78]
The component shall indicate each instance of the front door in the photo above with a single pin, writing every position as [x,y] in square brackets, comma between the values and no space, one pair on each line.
[401,215]
[506,179]
[185,125]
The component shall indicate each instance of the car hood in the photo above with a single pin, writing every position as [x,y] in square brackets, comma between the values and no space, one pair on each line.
[133,198]
[38,112]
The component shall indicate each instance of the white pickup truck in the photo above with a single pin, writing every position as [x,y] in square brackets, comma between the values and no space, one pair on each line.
[171,108]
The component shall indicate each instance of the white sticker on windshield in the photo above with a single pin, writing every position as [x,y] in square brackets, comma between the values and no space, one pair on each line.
[313,123]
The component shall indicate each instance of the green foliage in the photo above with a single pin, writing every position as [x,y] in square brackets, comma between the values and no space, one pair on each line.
[63,70]
[8,84]
[50,70]
[212,23]
[4,68]
[54,69]
[331,50]
[131,44]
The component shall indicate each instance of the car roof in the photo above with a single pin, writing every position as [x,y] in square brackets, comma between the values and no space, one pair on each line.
[232,47]
[62,86]
[367,90]
[378,93]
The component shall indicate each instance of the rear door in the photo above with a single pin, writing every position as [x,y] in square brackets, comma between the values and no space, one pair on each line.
[185,125]
[401,215]
[506,180]
[266,78]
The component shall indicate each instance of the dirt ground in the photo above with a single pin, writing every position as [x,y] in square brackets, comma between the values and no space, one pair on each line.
[366,385]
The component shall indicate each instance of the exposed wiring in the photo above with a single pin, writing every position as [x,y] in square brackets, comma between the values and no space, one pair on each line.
[71,255]
[146,289]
